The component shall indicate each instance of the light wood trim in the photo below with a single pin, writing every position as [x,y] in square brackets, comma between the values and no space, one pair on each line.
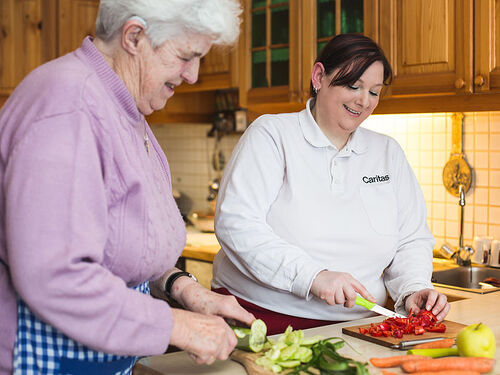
[309,45]
[243,50]
[385,38]
[206,253]
[338,20]
[294,48]
[162,117]
[371,19]
[464,44]
[50,28]
[271,94]
[268,43]
[207,82]
[486,41]
[440,103]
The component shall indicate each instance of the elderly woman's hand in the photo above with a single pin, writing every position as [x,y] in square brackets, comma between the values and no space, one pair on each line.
[205,337]
[195,297]
[338,288]
[430,300]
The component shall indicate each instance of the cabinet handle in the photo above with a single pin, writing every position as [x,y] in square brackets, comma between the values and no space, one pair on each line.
[479,80]
[459,83]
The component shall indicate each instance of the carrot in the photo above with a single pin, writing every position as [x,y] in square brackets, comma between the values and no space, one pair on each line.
[444,343]
[450,363]
[445,372]
[395,361]
[385,372]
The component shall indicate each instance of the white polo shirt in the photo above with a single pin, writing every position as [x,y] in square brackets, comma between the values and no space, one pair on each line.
[291,205]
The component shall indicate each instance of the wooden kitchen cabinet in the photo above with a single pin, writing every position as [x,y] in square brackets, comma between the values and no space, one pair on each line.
[21,48]
[429,45]
[35,31]
[444,53]
[487,46]
[218,71]
[76,20]
[279,43]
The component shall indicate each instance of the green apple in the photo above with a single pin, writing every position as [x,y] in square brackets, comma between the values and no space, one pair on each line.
[476,340]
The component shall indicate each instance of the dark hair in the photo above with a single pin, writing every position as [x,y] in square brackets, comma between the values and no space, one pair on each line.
[351,54]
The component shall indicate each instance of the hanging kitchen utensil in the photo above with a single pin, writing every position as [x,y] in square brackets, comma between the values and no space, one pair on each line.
[456,171]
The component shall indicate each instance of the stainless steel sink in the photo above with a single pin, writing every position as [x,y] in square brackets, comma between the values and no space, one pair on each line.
[466,278]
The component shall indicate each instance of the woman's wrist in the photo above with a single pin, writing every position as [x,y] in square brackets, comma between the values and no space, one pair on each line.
[175,284]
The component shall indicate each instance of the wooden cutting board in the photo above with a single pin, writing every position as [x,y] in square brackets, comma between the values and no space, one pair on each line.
[452,329]
[247,359]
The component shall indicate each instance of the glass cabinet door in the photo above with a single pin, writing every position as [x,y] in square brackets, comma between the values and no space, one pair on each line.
[270,45]
[281,41]
[337,17]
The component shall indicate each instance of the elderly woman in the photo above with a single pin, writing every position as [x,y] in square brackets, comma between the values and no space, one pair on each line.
[314,210]
[88,217]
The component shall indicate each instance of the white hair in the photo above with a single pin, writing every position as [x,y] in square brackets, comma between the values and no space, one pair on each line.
[166,19]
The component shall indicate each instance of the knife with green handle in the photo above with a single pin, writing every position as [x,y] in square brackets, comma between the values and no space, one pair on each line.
[360,301]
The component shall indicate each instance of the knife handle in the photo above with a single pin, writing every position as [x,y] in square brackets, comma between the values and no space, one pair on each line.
[360,301]
[410,343]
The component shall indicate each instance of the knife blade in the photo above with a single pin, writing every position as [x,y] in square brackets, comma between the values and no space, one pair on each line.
[408,344]
[360,301]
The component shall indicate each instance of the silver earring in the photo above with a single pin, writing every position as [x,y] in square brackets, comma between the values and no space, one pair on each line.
[315,89]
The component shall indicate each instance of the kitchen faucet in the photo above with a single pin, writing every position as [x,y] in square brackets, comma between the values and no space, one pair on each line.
[462,255]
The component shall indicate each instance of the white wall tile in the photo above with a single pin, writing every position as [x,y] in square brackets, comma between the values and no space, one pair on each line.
[481,214]
[480,159]
[482,122]
[481,142]
[494,212]
[480,196]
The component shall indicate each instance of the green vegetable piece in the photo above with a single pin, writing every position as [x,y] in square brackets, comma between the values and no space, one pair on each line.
[273,354]
[311,340]
[303,354]
[276,368]
[289,364]
[253,338]
[241,332]
[288,352]
[257,335]
[332,366]
[435,352]
[294,337]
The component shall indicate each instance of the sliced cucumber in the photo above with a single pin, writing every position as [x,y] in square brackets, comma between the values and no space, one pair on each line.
[253,338]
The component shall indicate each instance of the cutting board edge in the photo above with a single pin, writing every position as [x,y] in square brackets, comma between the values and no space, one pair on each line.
[353,331]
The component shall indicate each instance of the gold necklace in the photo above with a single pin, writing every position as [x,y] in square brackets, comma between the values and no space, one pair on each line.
[146,139]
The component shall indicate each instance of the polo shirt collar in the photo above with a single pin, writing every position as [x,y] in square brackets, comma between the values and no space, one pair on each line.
[315,136]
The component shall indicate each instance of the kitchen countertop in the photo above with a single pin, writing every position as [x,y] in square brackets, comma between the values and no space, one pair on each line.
[200,245]
[467,308]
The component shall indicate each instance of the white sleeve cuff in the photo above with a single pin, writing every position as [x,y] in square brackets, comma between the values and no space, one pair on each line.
[303,282]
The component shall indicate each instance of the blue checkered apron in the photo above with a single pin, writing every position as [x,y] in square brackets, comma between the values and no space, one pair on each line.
[41,349]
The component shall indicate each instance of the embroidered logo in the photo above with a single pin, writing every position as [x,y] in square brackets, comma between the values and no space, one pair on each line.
[375,179]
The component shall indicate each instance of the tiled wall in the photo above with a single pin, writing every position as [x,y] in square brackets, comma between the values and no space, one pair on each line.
[426,139]
[189,152]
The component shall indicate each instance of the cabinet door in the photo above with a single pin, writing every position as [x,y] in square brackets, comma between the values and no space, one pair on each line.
[76,21]
[332,17]
[487,46]
[218,70]
[429,44]
[270,52]
[20,41]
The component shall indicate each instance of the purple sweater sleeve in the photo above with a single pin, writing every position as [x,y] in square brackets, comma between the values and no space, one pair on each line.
[57,223]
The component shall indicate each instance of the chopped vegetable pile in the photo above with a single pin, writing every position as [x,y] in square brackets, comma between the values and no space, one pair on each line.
[293,351]
[424,321]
